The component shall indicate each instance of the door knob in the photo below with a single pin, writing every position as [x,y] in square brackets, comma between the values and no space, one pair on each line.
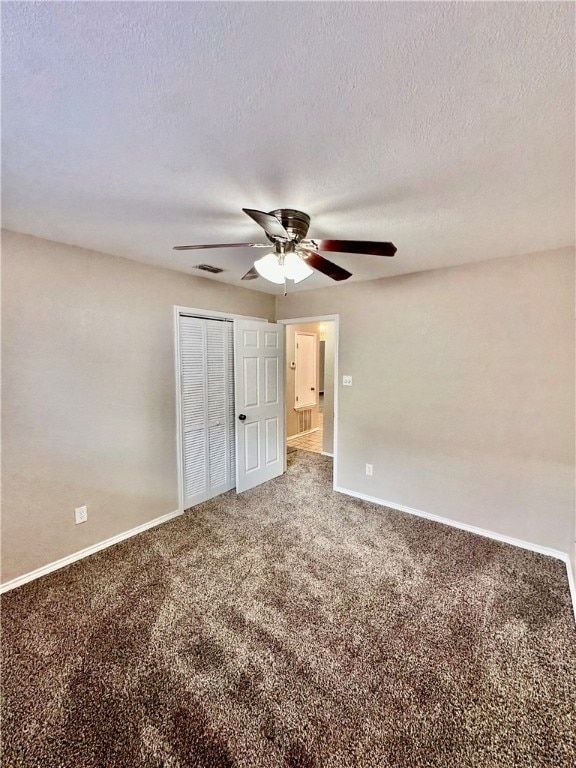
[242,417]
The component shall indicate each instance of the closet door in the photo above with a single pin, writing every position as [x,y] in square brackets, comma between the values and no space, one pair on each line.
[259,394]
[207,397]
[193,397]
[220,403]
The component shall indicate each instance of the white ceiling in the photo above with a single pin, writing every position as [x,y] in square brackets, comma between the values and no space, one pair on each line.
[447,128]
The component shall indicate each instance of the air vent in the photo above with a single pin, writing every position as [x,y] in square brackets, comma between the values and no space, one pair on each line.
[209,268]
[305,420]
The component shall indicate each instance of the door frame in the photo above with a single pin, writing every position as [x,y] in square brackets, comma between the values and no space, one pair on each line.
[204,314]
[319,319]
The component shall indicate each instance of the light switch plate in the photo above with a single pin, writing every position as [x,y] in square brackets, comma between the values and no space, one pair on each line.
[347,381]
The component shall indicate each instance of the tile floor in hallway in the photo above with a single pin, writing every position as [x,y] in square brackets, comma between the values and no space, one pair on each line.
[310,442]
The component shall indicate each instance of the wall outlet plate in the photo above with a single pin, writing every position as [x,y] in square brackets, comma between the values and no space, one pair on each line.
[81,514]
[369,469]
[347,381]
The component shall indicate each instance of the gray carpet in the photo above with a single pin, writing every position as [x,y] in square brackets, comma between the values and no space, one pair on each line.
[292,626]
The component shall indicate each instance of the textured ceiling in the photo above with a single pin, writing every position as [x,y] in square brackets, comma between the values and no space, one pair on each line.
[447,128]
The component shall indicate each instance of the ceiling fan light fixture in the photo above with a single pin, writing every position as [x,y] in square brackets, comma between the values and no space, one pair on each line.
[277,268]
[270,268]
[294,257]
[295,268]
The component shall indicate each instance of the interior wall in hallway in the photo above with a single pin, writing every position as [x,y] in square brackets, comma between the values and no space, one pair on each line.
[290,390]
[327,330]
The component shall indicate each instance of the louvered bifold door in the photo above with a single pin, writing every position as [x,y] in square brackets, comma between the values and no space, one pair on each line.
[193,389]
[207,396]
[231,405]
[220,420]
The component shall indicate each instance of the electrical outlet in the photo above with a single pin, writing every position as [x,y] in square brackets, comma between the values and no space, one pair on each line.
[369,469]
[81,514]
[347,381]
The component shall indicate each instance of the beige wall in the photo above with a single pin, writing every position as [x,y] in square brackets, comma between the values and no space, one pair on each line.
[88,393]
[463,393]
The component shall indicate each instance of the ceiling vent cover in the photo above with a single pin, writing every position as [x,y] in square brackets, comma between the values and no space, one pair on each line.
[209,268]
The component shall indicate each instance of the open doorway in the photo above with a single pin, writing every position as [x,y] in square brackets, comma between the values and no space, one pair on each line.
[311,347]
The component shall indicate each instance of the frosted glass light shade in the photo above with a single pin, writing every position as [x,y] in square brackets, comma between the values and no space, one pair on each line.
[269,268]
[296,269]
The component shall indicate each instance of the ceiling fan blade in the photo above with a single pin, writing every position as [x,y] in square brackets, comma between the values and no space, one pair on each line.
[368,247]
[252,274]
[220,245]
[318,262]
[270,224]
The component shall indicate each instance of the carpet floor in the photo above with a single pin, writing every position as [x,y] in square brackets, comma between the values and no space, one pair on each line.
[293,626]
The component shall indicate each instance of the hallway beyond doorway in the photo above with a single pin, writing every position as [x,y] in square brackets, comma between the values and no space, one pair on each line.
[312,441]
[311,426]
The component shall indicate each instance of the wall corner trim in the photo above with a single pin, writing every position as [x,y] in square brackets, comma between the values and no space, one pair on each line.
[64,561]
[549,552]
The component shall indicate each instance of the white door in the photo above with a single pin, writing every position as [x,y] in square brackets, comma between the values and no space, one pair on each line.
[207,396]
[259,394]
[306,370]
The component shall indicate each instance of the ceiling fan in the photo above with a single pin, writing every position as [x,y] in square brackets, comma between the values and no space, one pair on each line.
[293,256]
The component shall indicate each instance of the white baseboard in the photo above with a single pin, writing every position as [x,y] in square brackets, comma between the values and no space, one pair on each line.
[325,453]
[63,562]
[556,553]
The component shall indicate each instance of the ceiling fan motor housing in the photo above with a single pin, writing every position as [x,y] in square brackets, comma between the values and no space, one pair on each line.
[296,223]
